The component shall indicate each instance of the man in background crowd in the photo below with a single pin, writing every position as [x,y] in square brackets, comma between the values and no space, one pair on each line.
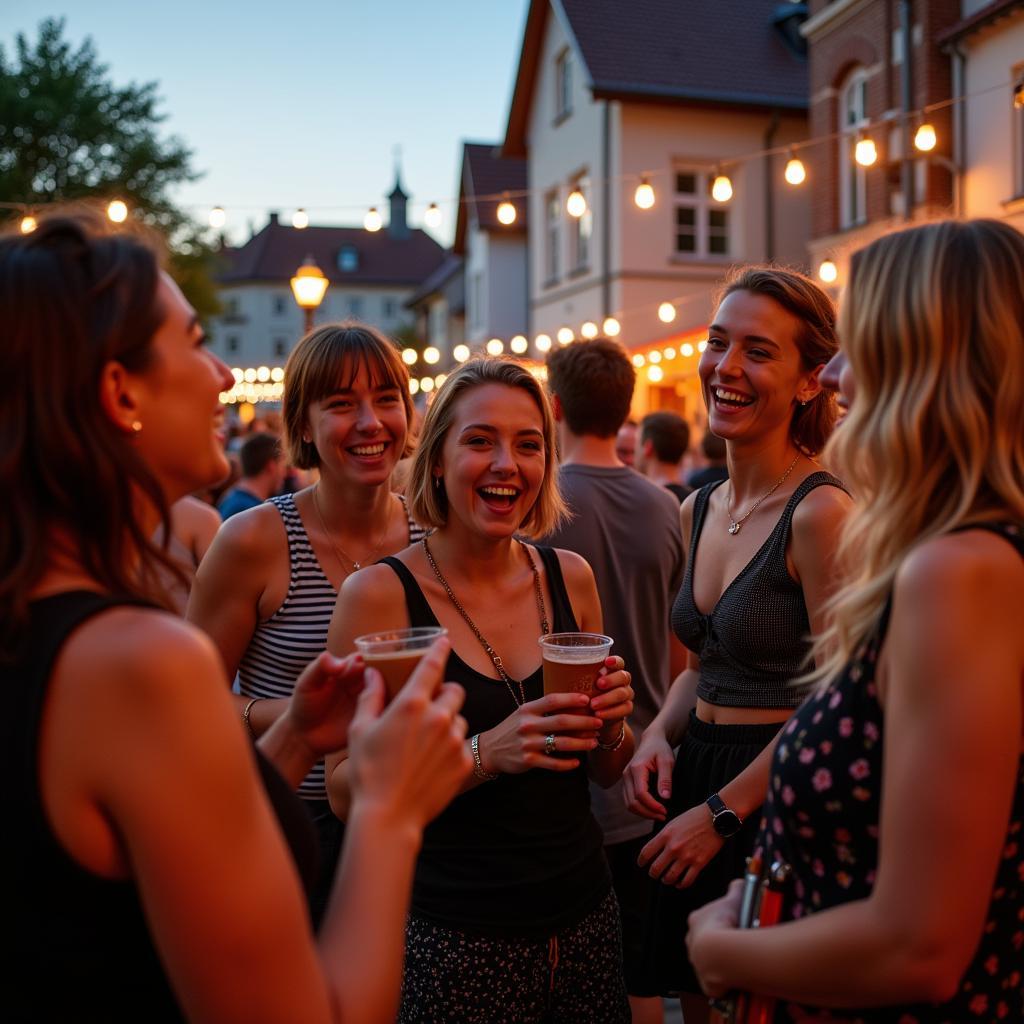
[263,471]
[713,449]
[661,444]
[625,442]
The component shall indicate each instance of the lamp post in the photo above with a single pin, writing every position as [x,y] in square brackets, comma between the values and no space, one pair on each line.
[309,286]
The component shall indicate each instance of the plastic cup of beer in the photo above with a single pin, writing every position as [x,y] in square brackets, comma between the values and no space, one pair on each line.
[572,661]
[394,653]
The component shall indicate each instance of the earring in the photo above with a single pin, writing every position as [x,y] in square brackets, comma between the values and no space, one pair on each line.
[437,482]
[136,426]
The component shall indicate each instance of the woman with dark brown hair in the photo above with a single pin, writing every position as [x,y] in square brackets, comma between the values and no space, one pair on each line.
[267,587]
[758,573]
[154,862]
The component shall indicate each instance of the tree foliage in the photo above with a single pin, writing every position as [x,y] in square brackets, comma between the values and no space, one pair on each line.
[68,133]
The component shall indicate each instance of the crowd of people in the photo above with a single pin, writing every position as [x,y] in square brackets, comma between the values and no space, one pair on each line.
[815,694]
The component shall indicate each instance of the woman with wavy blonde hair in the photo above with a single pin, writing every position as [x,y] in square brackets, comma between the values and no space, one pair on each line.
[897,791]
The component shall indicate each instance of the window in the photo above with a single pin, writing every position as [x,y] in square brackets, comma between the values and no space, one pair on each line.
[355,306]
[388,308]
[281,347]
[476,299]
[701,223]
[852,177]
[580,228]
[279,305]
[552,223]
[563,85]
[232,343]
[231,307]
[348,258]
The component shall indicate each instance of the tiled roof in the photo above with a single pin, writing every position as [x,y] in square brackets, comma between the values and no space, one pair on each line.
[697,51]
[274,253]
[485,172]
[433,283]
[980,19]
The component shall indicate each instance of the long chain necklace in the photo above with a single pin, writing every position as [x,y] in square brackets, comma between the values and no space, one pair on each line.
[735,524]
[338,549]
[519,700]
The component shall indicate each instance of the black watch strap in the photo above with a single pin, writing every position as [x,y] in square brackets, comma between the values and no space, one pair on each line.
[724,819]
[717,804]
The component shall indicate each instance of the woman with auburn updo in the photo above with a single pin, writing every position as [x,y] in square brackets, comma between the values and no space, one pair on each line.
[513,916]
[155,859]
[266,589]
[758,574]
[897,791]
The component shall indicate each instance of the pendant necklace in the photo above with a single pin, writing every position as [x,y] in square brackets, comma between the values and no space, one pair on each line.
[735,524]
[338,549]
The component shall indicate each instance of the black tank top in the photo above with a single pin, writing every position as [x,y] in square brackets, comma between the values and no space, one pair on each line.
[754,641]
[81,949]
[520,856]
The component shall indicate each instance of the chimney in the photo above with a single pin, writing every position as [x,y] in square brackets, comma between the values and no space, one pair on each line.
[273,218]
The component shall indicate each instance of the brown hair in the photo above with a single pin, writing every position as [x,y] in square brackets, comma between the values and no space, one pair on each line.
[74,296]
[428,504]
[329,359]
[594,381]
[812,424]
[668,432]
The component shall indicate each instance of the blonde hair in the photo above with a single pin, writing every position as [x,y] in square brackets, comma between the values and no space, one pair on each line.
[428,504]
[327,360]
[933,325]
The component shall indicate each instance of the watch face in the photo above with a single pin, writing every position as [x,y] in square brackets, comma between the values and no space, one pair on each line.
[727,823]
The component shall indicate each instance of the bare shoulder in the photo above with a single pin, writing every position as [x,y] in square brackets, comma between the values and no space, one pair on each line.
[194,517]
[686,516]
[376,584]
[255,533]
[825,504]
[575,569]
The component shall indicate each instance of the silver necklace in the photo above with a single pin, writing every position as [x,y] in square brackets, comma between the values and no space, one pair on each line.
[338,549]
[519,700]
[735,524]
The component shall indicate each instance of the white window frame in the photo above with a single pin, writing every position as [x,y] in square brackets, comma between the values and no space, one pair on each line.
[552,236]
[852,177]
[563,85]
[703,204]
[581,229]
[476,296]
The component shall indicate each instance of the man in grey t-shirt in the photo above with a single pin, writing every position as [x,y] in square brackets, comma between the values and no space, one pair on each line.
[627,528]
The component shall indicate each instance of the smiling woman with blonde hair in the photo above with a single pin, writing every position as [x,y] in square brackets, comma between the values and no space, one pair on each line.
[897,791]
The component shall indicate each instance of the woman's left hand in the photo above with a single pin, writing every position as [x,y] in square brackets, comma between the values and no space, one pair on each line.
[719,915]
[324,701]
[614,700]
[678,853]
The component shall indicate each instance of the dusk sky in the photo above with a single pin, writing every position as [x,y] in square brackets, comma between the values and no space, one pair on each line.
[288,105]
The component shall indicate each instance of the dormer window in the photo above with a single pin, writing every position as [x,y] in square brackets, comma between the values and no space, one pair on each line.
[348,258]
[563,85]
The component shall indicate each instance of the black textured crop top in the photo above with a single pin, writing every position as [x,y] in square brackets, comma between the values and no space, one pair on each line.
[754,641]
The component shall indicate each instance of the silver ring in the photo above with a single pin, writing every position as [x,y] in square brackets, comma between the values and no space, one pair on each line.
[549,743]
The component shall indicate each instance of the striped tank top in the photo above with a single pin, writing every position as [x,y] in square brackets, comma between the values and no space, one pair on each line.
[283,645]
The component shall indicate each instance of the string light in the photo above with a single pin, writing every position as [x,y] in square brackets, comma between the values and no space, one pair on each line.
[414,386]
[460,353]
[828,272]
[686,349]
[666,312]
[426,384]
[668,353]
[721,189]
[218,218]
[300,219]
[655,374]
[589,330]
[925,138]
[263,374]
[542,342]
[373,220]
[565,335]
[611,327]
[409,356]
[654,357]
[277,375]
[431,355]
[796,173]
[519,344]
[432,218]
[639,360]
[576,204]
[117,211]
[238,374]
[644,195]
[865,152]
[440,379]
[28,224]
[702,346]
[495,347]
[506,212]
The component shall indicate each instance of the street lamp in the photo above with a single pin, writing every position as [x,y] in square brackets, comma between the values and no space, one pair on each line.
[308,287]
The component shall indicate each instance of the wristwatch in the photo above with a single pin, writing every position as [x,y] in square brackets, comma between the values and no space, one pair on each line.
[725,821]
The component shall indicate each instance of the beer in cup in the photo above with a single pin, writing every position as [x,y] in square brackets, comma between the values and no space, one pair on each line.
[394,653]
[572,661]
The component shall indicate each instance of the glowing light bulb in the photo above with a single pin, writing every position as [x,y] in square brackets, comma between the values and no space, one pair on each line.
[654,357]
[373,220]
[300,219]
[117,211]
[925,138]
[565,335]
[263,374]
[721,189]
[668,353]
[655,373]
[796,173]
[28,224]
[427,384]
[666,312]
[638,360]
[519,344]
[543,342]
[250,375]
[576,204]
[644,195]
[218,218]
[865,152]
[414,386]
[506,213]
[238,373]
[432,218]
[440,379]
[431,355]
[611,327]
[277,374]
[409,356]
[589,330]
[686,350]
[702,346]
[495,347]
[460,353]
[828,272]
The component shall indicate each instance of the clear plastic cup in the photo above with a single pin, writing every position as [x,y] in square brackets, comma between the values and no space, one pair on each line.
[572,661]
[394,653]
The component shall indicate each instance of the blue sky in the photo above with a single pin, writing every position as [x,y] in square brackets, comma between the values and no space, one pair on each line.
[302,104]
